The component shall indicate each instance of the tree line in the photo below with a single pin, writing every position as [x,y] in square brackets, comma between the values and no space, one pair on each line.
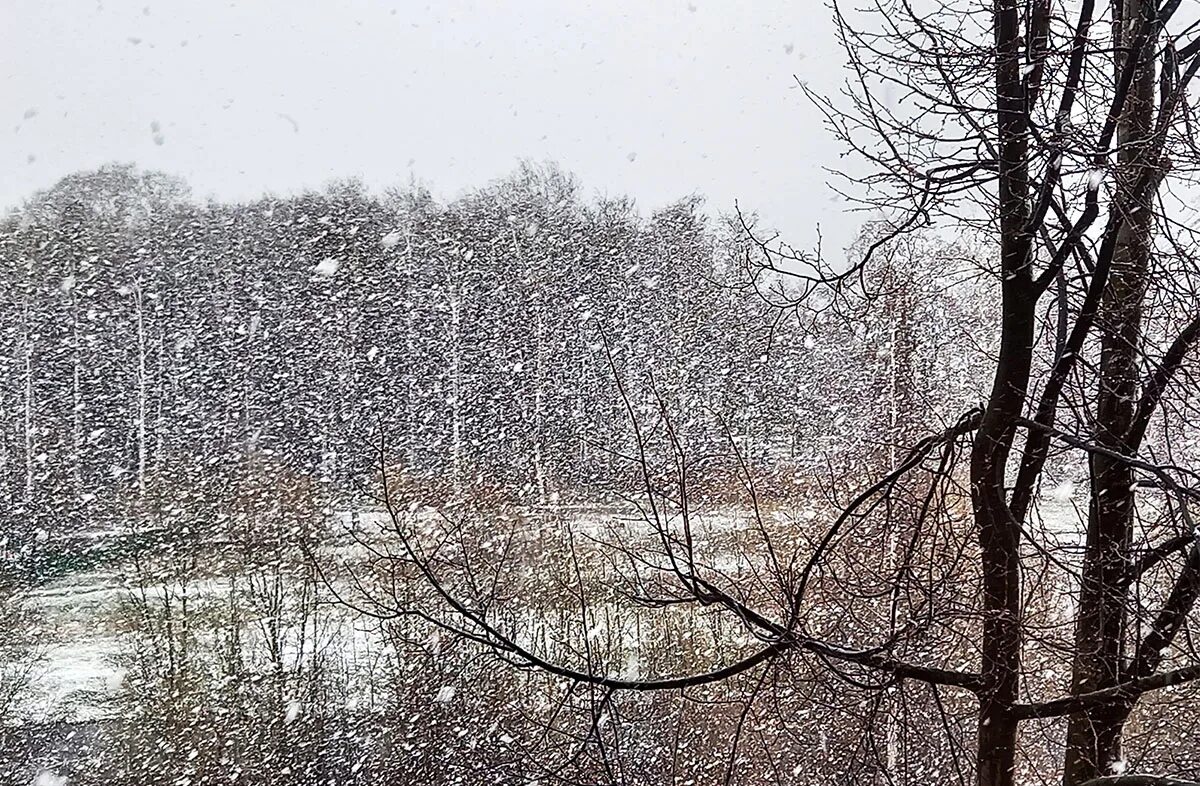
[154,347]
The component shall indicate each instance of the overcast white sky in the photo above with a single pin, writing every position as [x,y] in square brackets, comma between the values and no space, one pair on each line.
[653,98]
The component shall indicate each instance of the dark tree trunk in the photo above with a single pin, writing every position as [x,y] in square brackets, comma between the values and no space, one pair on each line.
[999,542]
[1094,737]
[999,534]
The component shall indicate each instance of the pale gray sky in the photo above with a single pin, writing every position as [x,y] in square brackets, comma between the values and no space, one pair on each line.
[653,98]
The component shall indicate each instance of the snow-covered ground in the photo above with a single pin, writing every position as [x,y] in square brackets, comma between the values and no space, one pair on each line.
[80,672]
[77,669]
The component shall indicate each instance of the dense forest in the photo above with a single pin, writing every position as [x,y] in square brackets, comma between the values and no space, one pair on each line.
[156,348]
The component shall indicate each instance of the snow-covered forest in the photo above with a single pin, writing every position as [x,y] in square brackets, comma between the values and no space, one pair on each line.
[156,344]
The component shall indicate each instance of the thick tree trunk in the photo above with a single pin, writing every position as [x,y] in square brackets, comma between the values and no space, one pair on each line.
[999,544]
[999,534]
[1094,738]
